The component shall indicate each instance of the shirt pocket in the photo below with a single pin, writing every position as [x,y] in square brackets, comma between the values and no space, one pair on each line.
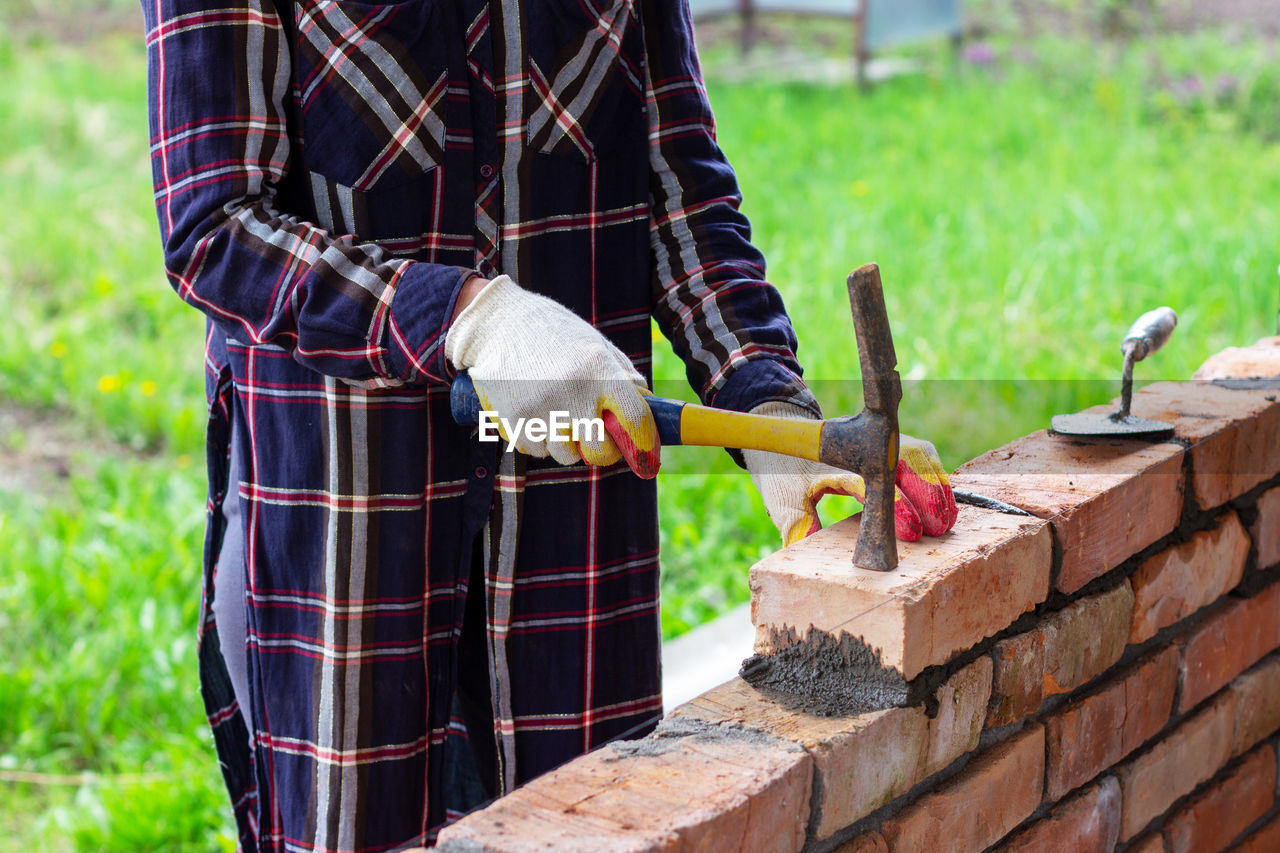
[587,90]
[398,218]
[370,90]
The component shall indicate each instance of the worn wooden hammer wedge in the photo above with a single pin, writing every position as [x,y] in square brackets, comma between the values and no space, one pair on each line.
[866,444]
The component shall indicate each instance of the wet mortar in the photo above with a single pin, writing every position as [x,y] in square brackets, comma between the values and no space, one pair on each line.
[826,676]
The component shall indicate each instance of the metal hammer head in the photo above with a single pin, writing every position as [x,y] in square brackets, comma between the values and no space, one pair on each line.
[868,442]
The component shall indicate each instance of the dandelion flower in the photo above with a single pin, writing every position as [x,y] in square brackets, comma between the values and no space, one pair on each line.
[109,384]
[148,388]
[58,349]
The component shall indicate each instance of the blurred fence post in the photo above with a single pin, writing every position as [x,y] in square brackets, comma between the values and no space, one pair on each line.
[747,12]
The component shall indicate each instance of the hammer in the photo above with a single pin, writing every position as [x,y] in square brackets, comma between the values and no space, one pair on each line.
[866,444]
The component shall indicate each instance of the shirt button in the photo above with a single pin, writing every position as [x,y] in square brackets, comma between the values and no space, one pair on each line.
[486,171]
[481,472]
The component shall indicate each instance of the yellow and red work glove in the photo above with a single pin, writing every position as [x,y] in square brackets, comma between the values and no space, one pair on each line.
[530,356]
[791,487]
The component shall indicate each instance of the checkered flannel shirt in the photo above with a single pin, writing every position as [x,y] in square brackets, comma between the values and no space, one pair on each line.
[327,174]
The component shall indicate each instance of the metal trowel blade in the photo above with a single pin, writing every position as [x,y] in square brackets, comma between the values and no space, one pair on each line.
[1085,423]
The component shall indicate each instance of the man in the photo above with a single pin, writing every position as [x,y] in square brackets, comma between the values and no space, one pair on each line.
[402,621]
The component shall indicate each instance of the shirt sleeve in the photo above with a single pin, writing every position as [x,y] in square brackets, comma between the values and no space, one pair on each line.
[219,80]
[711,299]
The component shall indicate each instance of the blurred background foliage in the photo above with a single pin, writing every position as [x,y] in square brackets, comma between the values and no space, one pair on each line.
[1075,163]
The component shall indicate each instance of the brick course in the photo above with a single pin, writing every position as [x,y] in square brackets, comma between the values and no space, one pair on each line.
[1150,843]
[962,707]
[1178,581]
[678,791]
[1090,820]
[1093,733]
[1085,638]
[1233,637]
[1215,816]
[861,761]
[1107,498]
[1234,435]
[1172,768]
[1006,780]
[1258,704]
[1266,839]
[1068,649]
[872,842]
[1018,678]
[1266,529]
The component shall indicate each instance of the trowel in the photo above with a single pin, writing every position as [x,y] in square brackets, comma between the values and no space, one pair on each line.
[1147,334]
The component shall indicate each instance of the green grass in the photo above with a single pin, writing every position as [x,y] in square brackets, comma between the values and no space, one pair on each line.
[99,593]
[1023,214]
[98,332]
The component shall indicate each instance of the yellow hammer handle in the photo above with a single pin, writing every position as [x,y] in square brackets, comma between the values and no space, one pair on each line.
[707,427]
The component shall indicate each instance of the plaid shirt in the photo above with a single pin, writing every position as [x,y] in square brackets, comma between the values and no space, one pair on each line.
[327,174]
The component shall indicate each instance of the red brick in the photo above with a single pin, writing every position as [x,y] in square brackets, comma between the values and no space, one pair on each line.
[1090,820]
[962,707]
[861,761]
[1233,435]
[1151,843]
[1214,817]
[1266,529]
[1006,781]
[1261,360]
[1263,840]
[521,822]
[946,595]
[1085,638]
[1178,581]
[1233,637]
[1018,678]
[1107,498]
[1176,765]
[872,842]
[1093,733]
[1258,704]
[691,788]
[1069,648]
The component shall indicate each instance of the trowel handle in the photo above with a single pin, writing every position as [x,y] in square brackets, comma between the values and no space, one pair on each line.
[1150,332]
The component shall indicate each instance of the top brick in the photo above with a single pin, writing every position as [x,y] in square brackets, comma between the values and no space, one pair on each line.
[689,786]
[1233,434]
[1107,498]
[1258,361]
[947,593]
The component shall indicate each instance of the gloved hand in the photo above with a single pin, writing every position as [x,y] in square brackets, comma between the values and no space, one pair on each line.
[792,487]
[528,356]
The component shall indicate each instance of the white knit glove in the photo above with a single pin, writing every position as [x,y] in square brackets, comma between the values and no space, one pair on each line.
[792,487]
[529,356]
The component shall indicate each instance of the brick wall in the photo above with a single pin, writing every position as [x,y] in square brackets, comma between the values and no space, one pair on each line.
[1104,676]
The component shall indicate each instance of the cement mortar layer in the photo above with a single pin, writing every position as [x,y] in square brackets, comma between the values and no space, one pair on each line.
[826,676]
[673,733]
